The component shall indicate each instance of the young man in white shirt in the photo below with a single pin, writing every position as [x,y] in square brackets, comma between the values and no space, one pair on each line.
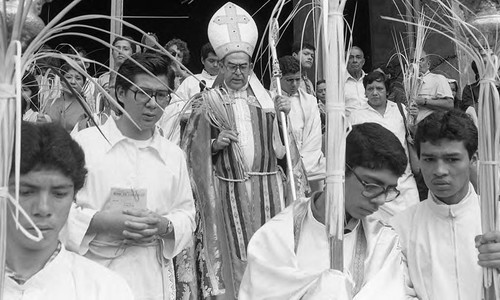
[304,53]
[304,119]
[136,211]
[52,172]
[437,235]
[172,122]
[289,257]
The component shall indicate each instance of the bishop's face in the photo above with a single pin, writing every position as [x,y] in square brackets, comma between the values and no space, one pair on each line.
[236,68]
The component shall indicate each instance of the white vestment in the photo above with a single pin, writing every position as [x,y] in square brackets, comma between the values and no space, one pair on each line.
[279,268]
[305,123]
[393,121]
[154,172]
[169,121]
[438,243]
[69,276]
[432,86]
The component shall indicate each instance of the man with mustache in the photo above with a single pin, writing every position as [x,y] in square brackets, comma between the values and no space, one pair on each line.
[239,184]
[437,235]
[52,172]
[354,90]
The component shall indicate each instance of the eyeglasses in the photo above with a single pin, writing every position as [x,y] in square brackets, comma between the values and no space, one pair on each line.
[233,68]
[144,95]
[373,190]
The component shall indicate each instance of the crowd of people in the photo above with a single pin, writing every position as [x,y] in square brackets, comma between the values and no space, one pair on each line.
[149,183]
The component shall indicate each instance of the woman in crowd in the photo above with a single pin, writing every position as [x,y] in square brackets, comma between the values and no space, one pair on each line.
[66,109]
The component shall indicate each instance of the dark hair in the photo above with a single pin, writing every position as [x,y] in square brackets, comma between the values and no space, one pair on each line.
[49,146]
[298,46]
[125,38]
[376,76]
[372,146]
[320,82]
[453,125]
[289,65]
[66,68]
[30,82]
[182,47]
[154,63]
[206,50]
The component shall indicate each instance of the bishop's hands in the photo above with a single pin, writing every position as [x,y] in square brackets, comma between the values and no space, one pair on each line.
[224,139]
[488,246]
[137,225]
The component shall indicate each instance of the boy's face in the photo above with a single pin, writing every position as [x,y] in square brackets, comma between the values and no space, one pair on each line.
[290,83]
[321,92]
[211,64]
[142,108]
[446,167]
[359,206]
[46,196]
[305,58]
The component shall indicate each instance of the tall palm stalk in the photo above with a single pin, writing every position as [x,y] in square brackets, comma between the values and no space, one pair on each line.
[334,65]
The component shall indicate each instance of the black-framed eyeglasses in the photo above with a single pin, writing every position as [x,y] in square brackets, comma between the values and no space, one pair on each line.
[234,68]
[144,95]
[373,190]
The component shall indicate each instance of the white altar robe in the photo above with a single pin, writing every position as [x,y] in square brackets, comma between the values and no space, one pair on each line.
[305,123]
[160,169]
[438,242]
[69,277]
[169,121]
[277,271]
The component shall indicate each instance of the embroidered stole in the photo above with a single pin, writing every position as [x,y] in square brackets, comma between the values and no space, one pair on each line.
[246,210]
[357,267]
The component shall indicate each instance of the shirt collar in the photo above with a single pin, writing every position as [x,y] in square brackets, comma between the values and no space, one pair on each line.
[115,136]
[349,76]
[21,280]
[207,75]
[445,210]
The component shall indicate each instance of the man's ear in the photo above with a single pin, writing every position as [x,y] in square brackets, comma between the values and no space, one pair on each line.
[295,55]
[251,66]
[120,93]
[474,159]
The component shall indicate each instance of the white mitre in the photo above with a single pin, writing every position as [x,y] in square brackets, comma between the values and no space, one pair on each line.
[232,29]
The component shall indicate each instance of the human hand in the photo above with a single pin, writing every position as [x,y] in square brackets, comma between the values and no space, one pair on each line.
[488,246]
[225,138]
[42,118]
[127,224]
[142,224]
[282,104]
[413,109]
[419,100]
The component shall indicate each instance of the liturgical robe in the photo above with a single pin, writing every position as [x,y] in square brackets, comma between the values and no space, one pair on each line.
[69,276]
[438,242]
[290,254]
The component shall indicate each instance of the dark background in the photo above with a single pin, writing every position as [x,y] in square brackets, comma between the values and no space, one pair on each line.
[189,23]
